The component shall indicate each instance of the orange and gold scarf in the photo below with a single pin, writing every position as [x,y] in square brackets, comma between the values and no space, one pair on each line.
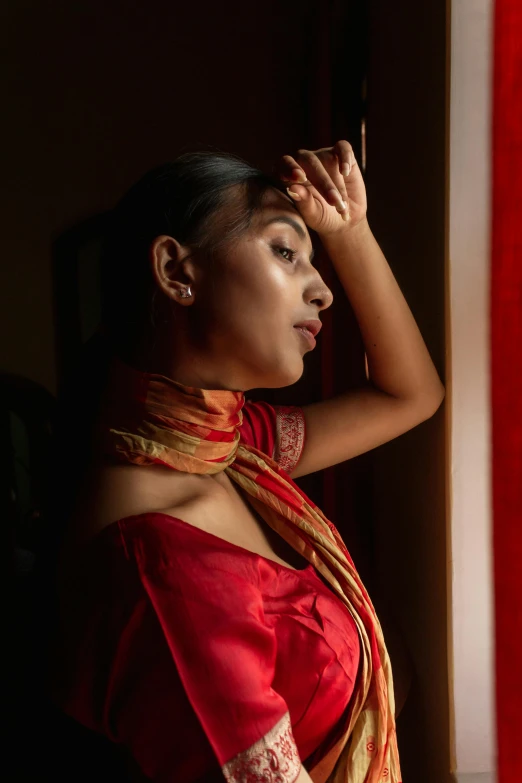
[150,419]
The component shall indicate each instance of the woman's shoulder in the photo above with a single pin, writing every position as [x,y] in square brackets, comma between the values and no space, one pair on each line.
[111,491]
[195,530]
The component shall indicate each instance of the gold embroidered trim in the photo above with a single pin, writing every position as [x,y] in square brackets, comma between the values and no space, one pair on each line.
[272,759]
[290,425]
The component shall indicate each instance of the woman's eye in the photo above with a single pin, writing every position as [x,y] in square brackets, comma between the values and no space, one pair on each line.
[291,253]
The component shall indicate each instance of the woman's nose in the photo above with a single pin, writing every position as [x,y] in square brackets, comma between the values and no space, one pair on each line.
[319,294]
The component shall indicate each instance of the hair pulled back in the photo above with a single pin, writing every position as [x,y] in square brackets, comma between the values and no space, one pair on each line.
[203,199]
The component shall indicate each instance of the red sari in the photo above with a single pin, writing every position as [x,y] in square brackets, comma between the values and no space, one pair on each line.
[200,659]
[185,649]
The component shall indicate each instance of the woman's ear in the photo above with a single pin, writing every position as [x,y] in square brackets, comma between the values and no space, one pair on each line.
[172,268]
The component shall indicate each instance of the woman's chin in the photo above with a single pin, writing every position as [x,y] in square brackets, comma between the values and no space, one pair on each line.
[287,374]
[275,372]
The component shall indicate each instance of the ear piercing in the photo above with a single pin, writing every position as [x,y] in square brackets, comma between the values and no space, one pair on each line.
[184,294]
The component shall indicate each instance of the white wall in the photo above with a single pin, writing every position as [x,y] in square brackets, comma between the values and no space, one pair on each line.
[470,572]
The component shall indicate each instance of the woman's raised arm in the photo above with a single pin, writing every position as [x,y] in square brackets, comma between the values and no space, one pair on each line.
[329,192]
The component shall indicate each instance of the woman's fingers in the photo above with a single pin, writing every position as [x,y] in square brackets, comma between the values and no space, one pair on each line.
[290,171]
[330,175]
[344,152]
[319,177]
[325,169]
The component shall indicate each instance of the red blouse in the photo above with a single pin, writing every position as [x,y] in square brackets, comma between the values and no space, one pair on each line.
[202,659]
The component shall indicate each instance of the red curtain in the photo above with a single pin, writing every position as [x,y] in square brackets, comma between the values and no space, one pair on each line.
[506,383]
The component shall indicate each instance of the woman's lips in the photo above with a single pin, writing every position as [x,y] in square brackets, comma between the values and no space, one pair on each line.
[307,335]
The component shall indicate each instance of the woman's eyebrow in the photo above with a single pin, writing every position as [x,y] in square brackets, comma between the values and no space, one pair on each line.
[294,224]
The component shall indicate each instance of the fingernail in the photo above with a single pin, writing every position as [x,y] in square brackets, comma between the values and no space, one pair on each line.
[300,174]
[346,171]
[337,196]
[295,196]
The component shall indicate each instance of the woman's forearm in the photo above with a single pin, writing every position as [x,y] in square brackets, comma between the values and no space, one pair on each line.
[399,362]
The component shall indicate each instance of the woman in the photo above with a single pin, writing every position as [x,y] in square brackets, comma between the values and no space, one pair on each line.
[213,625]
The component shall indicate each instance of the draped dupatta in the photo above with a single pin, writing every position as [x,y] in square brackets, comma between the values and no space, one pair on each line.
[149,419]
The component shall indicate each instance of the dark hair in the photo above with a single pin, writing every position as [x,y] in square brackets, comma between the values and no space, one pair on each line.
[194,199]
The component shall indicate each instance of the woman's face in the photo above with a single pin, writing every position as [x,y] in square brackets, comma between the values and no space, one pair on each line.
[240,325]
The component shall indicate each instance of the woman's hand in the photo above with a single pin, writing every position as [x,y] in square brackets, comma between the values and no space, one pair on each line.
[320,181]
